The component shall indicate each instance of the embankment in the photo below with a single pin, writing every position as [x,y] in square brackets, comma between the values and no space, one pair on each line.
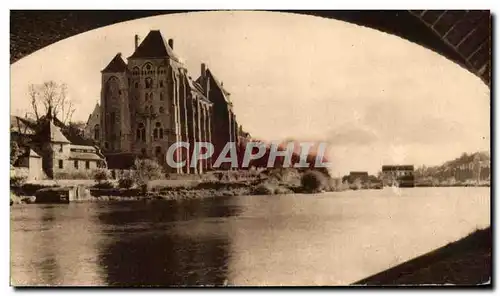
[464,262]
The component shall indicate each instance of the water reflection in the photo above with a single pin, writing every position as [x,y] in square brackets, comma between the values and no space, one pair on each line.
[158,252]
[325,239]
[54,245]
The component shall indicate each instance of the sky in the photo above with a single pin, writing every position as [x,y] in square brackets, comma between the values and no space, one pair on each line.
[374,97]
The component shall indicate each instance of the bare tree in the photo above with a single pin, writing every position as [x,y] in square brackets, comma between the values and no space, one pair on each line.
[51,95]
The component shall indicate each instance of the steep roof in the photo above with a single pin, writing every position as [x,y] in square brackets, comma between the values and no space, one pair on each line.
[97,110]
[196,87]
[154,46]
[116,65]
[33,154]
[211,76]
[55,134]
[218,83]
[21,125]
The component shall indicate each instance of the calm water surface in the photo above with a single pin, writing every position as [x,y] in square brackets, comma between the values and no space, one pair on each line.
[324,239]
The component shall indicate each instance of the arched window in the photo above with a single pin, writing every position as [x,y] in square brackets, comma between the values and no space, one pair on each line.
[148,82]
[136,85]
[161,83]
[158,131]
[151,96]
[141,132]
[143,151]
[162,110]
[146,97]
[161,70]
[96,132]
[135,71]
[151,109]
[161,96]
[147,69]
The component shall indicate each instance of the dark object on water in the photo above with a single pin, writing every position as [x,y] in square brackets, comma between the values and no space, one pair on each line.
[54,195]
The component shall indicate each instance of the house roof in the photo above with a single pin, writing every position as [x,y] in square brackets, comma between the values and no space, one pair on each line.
[23,126]
[84,155]
[55,134]
[154,46]
[33,154]
[117,64]
[87,147]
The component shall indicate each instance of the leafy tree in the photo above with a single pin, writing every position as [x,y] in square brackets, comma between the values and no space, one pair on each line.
[15,152]
[313,181]
[146,170]
[101,175]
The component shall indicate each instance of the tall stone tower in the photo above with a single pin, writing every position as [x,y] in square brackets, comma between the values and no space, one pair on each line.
[155,89]
[115,113]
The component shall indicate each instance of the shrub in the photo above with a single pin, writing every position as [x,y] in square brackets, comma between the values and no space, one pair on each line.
[72,175]
[101,175]
[126,181]
[17,181]
[264,189]
[104,185]
[313,181]
[15,152]
[146,170]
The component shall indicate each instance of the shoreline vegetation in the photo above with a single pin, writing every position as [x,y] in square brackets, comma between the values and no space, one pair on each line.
[151,186]
[148,181]
[145,185]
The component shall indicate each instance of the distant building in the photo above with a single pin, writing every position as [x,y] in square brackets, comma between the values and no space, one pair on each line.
[398,175]
[91,130]
[49,149]
[362,177]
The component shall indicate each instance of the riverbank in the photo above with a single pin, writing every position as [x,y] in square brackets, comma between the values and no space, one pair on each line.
[273,183]
[464,262]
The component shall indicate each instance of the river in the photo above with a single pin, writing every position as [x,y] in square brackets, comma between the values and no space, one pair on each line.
[324,239]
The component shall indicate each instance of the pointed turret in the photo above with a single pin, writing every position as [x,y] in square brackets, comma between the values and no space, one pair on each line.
[117,65]
[154,46]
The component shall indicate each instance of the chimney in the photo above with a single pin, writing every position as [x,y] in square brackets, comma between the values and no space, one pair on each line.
[136,39]
[203,70]
[171,43]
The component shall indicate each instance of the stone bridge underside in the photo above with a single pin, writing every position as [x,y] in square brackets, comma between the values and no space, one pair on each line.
[462,36]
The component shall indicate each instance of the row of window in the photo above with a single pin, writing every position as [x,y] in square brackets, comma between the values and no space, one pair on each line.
[151,109]
[141,131]
[148,83]
[82,150]
[158,132]
[148,69]
[150,97]
[75,164]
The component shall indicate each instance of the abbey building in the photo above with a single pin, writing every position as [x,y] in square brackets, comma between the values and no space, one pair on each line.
[150,101]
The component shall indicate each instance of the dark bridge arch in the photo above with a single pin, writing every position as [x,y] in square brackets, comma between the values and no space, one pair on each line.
[462,36]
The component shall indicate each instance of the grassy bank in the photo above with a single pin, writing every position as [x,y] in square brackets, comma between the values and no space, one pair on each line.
[464,262]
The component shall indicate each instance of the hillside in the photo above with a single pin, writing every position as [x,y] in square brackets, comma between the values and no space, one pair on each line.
[473,167]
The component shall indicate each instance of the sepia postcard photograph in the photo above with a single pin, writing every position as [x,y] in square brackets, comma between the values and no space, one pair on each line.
[250,148]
